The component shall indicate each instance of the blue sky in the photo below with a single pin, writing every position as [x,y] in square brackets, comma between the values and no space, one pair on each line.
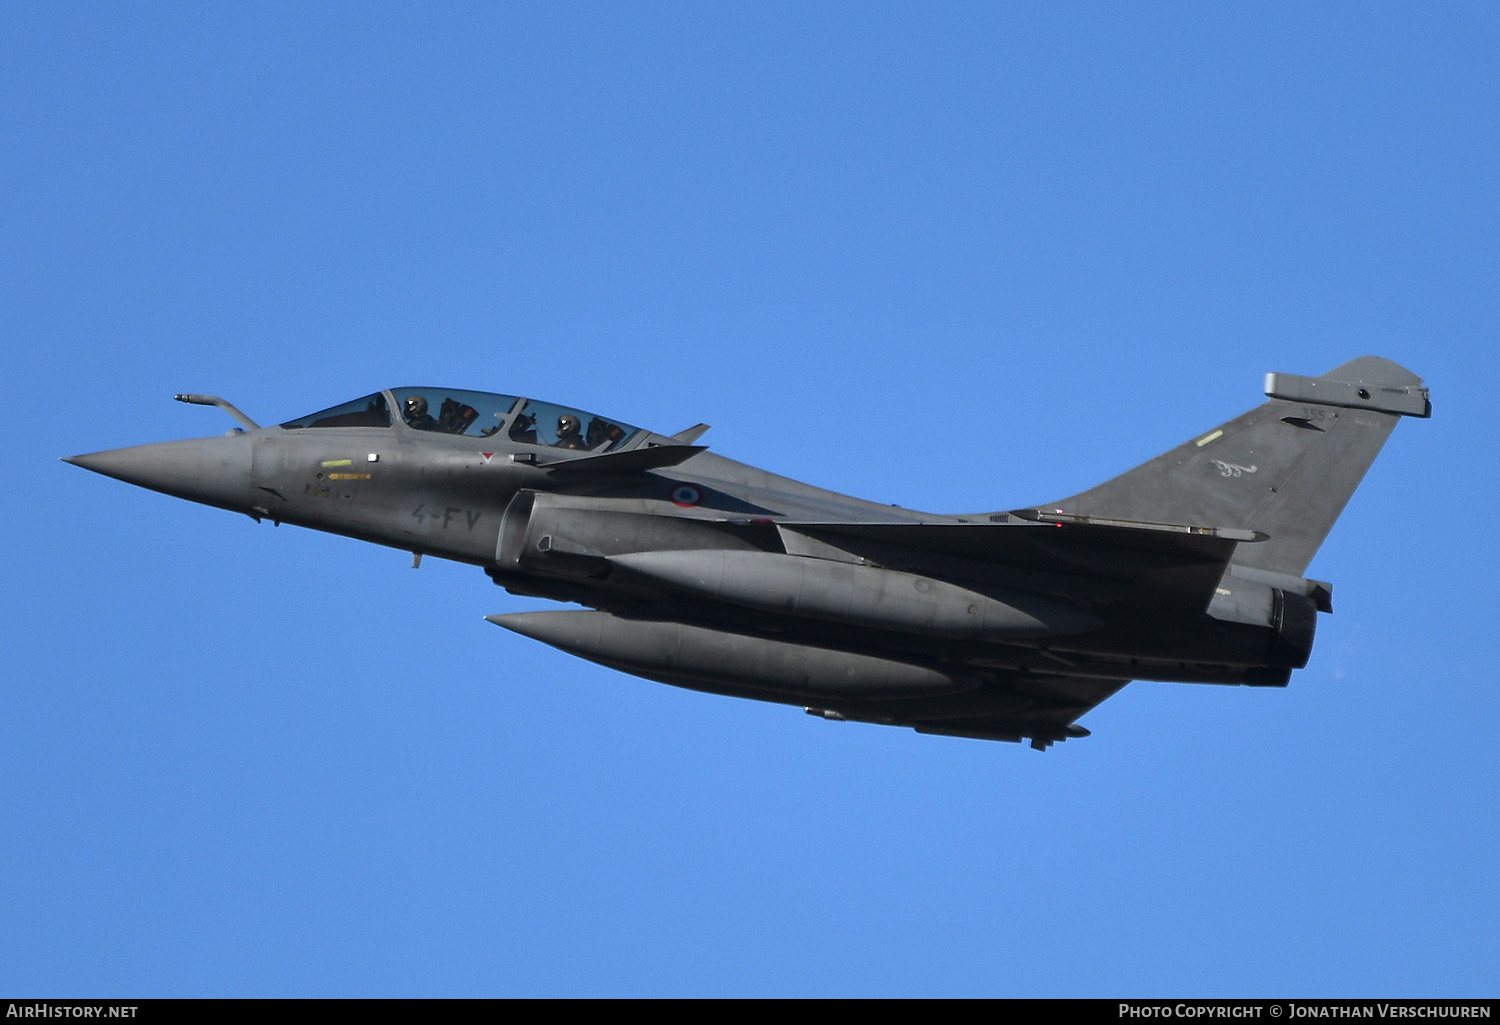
[958,257]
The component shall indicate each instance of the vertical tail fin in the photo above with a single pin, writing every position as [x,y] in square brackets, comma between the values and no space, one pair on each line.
[1286,468]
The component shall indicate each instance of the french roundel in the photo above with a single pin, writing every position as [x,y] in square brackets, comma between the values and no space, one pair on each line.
[686,495]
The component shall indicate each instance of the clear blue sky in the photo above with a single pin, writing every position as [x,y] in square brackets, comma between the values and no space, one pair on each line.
[954,256]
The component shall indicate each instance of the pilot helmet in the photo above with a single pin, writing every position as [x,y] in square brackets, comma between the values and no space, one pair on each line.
[567,424]
[415,406]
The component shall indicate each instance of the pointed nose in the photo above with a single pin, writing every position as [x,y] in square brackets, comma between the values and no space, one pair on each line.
[215,471]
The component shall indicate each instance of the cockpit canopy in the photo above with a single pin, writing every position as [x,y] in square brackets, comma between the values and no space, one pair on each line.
[477,414]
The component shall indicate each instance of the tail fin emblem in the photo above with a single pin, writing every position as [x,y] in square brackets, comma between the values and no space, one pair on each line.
[1232,469]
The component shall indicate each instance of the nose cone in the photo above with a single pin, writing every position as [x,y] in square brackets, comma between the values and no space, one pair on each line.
[215,471]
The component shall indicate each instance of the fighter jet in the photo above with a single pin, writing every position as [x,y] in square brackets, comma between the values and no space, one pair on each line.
[709,574]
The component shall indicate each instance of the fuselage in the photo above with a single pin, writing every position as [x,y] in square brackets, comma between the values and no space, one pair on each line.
[504,497]
[706,573]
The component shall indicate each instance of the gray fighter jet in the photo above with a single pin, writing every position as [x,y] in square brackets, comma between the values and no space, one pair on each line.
[709,574]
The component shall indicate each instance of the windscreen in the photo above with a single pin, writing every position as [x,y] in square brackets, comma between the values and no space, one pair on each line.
[370,411]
